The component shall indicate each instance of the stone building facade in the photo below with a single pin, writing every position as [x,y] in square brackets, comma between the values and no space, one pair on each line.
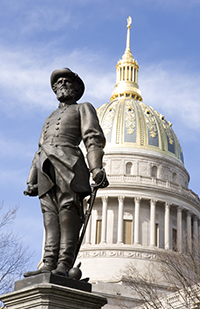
[148,205]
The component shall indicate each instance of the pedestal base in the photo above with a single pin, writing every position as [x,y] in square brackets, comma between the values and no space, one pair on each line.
[47,295]
[50,278]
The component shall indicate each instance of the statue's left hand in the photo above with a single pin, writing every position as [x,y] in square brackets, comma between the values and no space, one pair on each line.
[32,190]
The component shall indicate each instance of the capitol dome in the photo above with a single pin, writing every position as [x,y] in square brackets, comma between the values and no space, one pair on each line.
[148,205]
[128,122]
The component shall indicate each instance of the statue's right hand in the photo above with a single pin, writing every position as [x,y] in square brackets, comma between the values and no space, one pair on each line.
[99,176]
[32,190]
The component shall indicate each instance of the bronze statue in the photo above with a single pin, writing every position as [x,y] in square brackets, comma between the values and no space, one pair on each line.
[59,174]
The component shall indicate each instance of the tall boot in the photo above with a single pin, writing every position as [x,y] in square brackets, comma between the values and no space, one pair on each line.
[70,224]
[51,247]
[52,239]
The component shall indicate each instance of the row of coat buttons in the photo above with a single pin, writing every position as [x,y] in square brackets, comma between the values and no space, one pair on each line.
[58,123]
[47,126]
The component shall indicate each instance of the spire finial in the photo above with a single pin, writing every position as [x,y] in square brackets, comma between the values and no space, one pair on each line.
[127,73]
[129,22]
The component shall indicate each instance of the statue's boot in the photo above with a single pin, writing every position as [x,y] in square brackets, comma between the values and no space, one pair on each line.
[51,246]
[70,224]
[43,269]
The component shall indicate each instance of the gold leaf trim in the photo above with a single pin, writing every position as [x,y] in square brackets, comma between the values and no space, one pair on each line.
[130,118]
[108,119]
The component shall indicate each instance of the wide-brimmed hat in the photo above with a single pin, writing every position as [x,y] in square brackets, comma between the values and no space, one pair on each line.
[66,72]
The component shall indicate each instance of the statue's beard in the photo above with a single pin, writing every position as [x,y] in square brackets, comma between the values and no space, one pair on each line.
[64,94]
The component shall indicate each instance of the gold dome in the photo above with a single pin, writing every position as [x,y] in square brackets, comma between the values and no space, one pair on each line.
[127,121]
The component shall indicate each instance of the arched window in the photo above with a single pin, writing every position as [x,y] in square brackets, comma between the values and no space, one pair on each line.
[154,171]
[174,177]
[128,168]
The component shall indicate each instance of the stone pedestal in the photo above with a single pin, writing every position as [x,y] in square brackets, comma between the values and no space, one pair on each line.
[48,295]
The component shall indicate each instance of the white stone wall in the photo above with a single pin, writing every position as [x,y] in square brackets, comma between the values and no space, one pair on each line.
[168,189]
[168,168]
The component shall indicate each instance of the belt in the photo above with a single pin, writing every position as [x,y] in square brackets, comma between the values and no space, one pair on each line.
[63,140]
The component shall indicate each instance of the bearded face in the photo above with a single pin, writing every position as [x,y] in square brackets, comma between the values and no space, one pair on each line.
[64,89]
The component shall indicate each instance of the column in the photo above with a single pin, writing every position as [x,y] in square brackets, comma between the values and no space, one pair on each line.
[120,219]
[130,72]
[152,222]
[167,225]
[137,220]
[136,71]
[179,229]
[104,219]
[88,232]
[189,231]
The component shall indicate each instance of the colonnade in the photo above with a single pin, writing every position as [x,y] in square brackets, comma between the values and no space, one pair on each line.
[127,73]
[192,230]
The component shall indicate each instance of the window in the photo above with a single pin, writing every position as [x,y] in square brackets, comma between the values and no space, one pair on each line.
[98,231]
[131,73]
[157,235]
[128,168]
[174,177]
[174,239]
[154,171]
[128,232]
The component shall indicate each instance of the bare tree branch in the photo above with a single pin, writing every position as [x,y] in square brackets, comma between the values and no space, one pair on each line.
[14,257]
[177,272]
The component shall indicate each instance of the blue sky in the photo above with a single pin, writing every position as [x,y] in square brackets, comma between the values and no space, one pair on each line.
[89,36]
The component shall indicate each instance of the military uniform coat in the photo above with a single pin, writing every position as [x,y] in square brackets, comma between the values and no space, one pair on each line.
[59,143]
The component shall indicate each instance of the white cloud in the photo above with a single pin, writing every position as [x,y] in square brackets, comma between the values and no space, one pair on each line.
[25,82]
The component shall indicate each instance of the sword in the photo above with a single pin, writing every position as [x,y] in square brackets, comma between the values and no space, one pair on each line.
[104,183]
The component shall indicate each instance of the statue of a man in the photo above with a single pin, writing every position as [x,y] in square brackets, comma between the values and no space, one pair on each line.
[59,174]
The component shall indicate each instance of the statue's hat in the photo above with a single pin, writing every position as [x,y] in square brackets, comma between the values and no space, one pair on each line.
[66,72]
